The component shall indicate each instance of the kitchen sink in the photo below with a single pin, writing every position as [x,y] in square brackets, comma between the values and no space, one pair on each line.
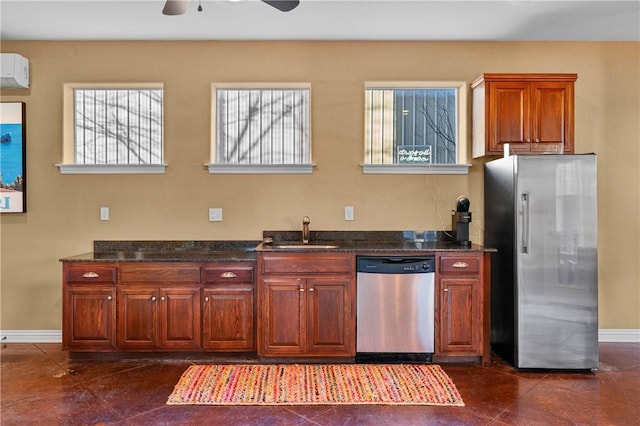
[309,246]
[297,246]
[305,246]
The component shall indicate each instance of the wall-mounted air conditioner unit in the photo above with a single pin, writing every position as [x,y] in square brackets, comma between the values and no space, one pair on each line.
[14,70]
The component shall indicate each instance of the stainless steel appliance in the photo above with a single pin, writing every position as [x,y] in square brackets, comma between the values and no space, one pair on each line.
[395,308]
[540,213]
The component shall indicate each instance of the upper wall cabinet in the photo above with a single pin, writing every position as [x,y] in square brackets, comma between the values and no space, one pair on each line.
[533,113]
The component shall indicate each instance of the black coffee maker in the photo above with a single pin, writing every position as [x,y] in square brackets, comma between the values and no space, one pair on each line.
[460,219]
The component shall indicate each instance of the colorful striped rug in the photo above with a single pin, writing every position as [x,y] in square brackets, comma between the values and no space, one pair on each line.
[313,384]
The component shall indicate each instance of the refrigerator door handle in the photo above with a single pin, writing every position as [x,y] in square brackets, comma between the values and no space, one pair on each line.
[525,222]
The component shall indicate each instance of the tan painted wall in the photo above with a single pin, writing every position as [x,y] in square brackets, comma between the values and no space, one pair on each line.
[63,217]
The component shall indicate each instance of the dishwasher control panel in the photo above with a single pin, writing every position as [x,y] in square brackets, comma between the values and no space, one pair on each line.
[396,264]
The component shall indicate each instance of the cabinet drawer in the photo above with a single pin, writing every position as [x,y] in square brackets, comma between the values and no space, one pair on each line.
[160,272]
[90,273]
[460,264]
[314,264]
[222,274]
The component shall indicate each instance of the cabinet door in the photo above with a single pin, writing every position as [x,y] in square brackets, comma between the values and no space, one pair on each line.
[552,107]
[460,322]
[180,317]
[228,323]
[331,326]
[137,317]
[508,119]
[89,317]
[282,319]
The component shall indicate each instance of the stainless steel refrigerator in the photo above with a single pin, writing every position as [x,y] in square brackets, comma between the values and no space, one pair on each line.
[540,214]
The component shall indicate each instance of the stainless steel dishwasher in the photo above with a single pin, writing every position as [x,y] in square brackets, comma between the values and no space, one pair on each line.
[395,308]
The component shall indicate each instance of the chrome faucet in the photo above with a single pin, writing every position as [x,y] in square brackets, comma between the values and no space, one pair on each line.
[305,229]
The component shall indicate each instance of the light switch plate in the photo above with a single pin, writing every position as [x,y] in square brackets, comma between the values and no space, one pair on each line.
[215,215]
[104,213]
[349,213]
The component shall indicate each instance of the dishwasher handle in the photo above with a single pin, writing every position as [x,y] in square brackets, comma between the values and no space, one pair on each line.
[396,260]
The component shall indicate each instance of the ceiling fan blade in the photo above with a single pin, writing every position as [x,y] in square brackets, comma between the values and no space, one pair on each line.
[175,7]
[283,5]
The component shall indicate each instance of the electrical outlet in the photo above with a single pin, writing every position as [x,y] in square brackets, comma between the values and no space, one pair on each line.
[215,215]
[104,213]
[348,213]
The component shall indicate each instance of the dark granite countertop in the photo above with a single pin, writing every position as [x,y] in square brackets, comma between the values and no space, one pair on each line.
[169,251]
[164,256]
[363,247]
[363,242]
[360,242]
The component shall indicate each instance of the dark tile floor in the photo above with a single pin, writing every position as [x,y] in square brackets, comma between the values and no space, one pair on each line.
[41,386]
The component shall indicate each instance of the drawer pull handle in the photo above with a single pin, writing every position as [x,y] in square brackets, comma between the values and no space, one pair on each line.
[162,298]
[206,299]
[90,275]
[301,290]
[311,289]
[153,298]
[460,265]
[109,298]
[228,274]
[446,289]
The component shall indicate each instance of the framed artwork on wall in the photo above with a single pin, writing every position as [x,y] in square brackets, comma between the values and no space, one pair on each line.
[13,143]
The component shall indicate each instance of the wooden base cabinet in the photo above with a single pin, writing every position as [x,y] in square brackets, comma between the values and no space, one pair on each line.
[158,306]
[533,113]
[89,307]
[89,317]
[138,318]
[229,308]
[180,324]
[159,318]
[462,297]
[329,311]
[282,322]
[307,305]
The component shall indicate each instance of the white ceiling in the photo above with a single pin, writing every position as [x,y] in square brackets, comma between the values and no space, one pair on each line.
[536,20]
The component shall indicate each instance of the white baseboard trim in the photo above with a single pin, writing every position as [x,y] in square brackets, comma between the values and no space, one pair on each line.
[31,336]
[620,335]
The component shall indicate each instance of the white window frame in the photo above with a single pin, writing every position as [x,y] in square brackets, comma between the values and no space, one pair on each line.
[225,168]
[68,164]
[461,167]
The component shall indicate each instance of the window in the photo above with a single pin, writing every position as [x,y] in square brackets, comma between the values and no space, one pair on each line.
[113,129]
[415,128]
[260,129]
